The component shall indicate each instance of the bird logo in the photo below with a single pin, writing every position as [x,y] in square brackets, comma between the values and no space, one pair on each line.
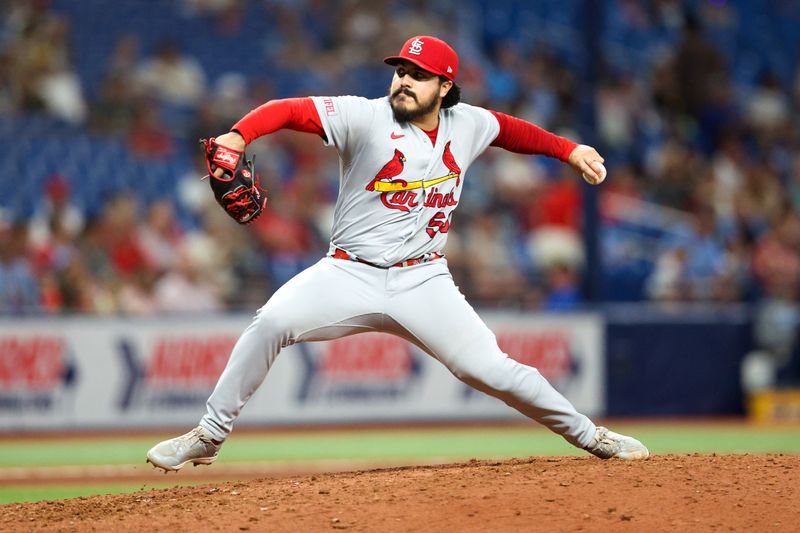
[404,195]
[391,169]
[450,163]
[396,165]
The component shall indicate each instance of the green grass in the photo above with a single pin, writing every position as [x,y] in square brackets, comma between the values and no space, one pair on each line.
[724,439]
[29,493]
[414,445]
[502,442]
[392,444]
[69,451]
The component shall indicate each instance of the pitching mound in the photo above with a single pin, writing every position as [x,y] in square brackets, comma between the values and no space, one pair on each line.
[664,493]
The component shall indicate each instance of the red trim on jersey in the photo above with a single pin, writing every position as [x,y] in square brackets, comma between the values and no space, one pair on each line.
[522,137]
[432,134]
[299,114]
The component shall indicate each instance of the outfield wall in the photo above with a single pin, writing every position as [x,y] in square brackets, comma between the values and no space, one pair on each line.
[676,361]
[80,373]
[629,360]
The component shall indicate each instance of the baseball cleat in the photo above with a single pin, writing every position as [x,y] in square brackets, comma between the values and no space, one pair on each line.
[607,444]
[197,447]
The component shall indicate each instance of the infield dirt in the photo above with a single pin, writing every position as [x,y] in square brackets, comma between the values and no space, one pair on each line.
[664,493]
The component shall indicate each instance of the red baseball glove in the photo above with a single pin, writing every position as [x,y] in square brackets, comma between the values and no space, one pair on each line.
[237,190]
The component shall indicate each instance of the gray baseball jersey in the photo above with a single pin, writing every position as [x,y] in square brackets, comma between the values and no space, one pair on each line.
[397,190]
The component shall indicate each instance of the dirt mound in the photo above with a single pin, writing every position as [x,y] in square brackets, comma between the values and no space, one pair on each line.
[664,493]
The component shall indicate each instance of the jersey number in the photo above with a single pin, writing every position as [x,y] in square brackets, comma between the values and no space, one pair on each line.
[439,222]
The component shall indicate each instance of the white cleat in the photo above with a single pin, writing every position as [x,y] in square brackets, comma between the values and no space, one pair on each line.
[607,444]
[198,447]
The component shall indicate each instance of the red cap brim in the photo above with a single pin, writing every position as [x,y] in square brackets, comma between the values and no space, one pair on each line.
[394,60]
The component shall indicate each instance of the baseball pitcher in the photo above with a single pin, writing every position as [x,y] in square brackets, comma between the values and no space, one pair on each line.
[403,161]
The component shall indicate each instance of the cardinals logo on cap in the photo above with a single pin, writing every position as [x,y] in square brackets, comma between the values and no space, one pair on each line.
[428,53]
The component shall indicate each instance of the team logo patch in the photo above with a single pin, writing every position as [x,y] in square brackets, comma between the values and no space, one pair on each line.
[401,194]
[389,171]
[416,47]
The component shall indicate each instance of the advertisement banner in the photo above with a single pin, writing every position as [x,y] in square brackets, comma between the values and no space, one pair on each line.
[121,373]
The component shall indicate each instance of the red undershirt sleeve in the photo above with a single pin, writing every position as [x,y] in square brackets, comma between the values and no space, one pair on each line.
[297,114]
[522,137]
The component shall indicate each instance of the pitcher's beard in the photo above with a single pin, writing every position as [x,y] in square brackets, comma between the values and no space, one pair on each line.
[403,115]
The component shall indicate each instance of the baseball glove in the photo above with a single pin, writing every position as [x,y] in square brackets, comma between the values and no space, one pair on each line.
[237,190]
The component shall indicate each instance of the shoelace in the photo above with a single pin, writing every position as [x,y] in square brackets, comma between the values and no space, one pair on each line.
[198,434]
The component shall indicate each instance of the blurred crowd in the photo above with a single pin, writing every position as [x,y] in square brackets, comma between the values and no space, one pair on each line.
[704,183]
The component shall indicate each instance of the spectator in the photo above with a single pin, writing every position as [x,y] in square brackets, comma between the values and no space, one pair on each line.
[147,138]
[619,105]
[48,81]
[699,68]
[776,259]
[137,296]
[503,81]
[159,237]
[558,204]
[669,280]
[759,200]
[674,174]
[56,209]
[172,77]
[120,236]
[57,84]
[768,106]
[492,273]
[690,267]
[728,170]
[183,289]
[540,104]
[83,293]
[124,59]
[115,110]
[19,291]
[562,292]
